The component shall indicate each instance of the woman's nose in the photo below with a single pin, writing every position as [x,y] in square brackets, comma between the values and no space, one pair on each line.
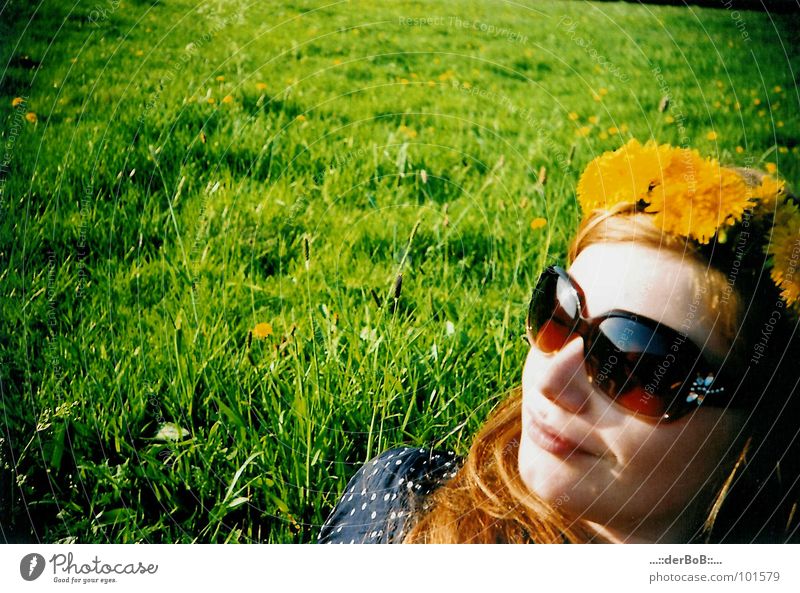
[561,377]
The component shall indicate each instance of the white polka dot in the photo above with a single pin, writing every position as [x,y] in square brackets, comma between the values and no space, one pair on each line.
[364,492]
[373,534]
[398,462]
[363,506]
[373,496]
[352,541]
[393,516]
[410,484]
[394,496]
[386,496]
[339,530]
[372,516]
[352,511]
[351,498]
[401,481]
[390,456]
[447,464]
[400,514]
[375,471]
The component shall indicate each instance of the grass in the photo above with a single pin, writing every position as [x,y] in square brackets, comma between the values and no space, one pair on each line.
[195,170]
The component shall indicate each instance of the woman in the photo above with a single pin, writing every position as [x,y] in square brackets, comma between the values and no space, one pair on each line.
[659,397]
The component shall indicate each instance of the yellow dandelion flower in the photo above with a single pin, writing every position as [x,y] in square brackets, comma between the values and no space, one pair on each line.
[717,104]
[777,88]
[227,99]
[139,53]
[739,149]
[573,116]
[719,84]
[756,101]
[337,61]
[783,149]
[538,223]
[762,112]
[624,175]
[431,83]
[403,81]
[31,117]
[262,330]
[211,100]
[687,194]
[779,124]
[603,92]
[785,271]
[769,192]
[220,79]
[770,167]
[301,117]
[583,131]
[261,86]
[597,97]
[669,119]
[603,136]
[711,136]
[623,128]
[613,130]
[17,101]
[593,119]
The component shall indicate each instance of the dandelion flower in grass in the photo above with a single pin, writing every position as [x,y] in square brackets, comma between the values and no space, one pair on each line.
[777,89]
[669,119]
[17,101]
[597,97]
[211,100]
[779,124]
[613,130]
[261,86]
[756,101]
[301,117]
[770,167]
[31,117]
[583,131]
[712,136]
[538,223]
[593,119]
[227,99]
[220,79]
[783,250]
[739,150]
[262,330]
[573,116]
[603,92]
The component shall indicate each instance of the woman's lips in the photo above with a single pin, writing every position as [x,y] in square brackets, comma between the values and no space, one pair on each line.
[550,441]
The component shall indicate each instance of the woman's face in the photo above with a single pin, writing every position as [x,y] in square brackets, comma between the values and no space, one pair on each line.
[632,478]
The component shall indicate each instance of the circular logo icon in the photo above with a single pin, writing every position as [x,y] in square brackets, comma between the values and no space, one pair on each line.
[31,566]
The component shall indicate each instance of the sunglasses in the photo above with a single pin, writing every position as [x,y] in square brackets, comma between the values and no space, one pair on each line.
[642,365]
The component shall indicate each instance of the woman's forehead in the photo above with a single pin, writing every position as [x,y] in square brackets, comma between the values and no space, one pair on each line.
[651,282]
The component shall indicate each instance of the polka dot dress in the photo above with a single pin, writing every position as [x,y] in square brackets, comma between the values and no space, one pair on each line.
[374,508]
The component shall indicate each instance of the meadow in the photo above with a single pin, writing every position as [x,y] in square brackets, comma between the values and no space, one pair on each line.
[246,246]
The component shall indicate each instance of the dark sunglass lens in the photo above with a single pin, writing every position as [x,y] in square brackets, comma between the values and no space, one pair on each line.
[630,363]
[552,336]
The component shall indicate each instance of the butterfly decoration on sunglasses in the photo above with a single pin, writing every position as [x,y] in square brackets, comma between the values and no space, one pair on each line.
[642,365]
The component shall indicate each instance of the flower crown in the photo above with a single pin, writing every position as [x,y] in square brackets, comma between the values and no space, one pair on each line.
[697,198]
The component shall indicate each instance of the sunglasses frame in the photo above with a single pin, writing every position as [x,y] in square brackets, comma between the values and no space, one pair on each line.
[687,398]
